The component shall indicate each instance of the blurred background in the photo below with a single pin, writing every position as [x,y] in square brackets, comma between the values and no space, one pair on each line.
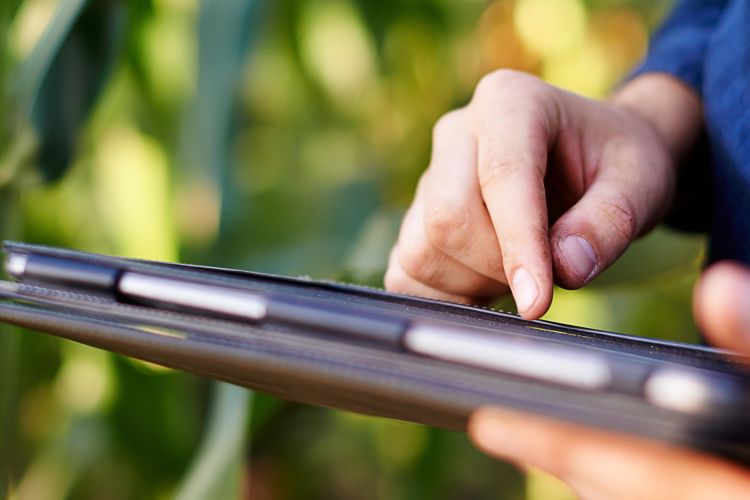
[283,136]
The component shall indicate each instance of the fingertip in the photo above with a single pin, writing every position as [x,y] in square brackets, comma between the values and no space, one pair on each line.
[532,294]
[595,231]
[721,302]
[491,430]
[540,307]
[574,259]
[478,427]
[525,289]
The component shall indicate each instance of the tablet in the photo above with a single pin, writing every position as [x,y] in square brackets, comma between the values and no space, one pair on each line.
[367,350]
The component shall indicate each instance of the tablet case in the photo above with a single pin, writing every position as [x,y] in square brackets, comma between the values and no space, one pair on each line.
[314,368]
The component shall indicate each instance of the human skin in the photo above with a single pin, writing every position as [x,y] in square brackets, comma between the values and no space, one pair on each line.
[529,184]
[607,465]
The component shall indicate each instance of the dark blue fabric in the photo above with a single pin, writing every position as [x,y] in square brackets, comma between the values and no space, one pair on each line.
[706,44]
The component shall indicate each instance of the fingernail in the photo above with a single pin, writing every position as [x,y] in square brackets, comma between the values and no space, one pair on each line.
[579,255]
[525,290]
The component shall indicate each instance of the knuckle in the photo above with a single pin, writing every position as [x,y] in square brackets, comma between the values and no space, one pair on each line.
[503,165]
[445,225]
[421,262]
[619,214]
[512,84]
[503,79]
[518,243]
[448,124]
[512,95]
[393,280]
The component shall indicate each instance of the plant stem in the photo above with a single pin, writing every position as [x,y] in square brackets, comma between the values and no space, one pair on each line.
[8,383]
[9,351]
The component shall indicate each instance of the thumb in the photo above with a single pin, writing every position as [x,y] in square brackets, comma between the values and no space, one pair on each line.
[722,305]
[601,464]
[624,199]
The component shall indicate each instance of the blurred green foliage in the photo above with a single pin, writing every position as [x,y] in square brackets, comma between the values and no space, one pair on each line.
[282,136]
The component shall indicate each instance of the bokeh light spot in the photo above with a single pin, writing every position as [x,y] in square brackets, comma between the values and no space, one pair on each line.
[583,70]
[29,25]
[337,47]
[134,195]
[168,50]
[501,45]
[198,209]
[84,383]
[550,27]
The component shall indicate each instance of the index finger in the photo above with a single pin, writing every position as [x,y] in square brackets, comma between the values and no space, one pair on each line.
[513,126]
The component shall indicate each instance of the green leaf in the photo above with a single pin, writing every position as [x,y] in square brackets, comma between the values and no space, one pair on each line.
[226,30]
[36,67]
[8,10]
[661,254]
[368,255]
[8,389]
[62,79]
[9,364]
[215,473]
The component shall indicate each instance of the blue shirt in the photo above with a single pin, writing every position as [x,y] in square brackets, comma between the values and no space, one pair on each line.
[706,44]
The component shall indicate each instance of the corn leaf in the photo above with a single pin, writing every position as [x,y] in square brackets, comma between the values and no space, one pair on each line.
[61,80]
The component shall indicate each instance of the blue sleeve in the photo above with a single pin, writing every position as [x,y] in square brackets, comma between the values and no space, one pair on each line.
[678,47]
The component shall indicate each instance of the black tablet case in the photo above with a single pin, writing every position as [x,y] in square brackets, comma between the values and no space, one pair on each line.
[320,369]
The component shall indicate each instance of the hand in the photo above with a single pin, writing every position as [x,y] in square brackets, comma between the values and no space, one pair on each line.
[529,182]
[599,464]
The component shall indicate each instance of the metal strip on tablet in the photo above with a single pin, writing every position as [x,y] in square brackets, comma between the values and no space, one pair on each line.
[533,360]
[196,295]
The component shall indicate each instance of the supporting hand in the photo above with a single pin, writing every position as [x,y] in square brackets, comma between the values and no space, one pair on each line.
[607,465]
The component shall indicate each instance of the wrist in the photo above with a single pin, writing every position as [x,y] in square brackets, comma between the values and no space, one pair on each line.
[671,108]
